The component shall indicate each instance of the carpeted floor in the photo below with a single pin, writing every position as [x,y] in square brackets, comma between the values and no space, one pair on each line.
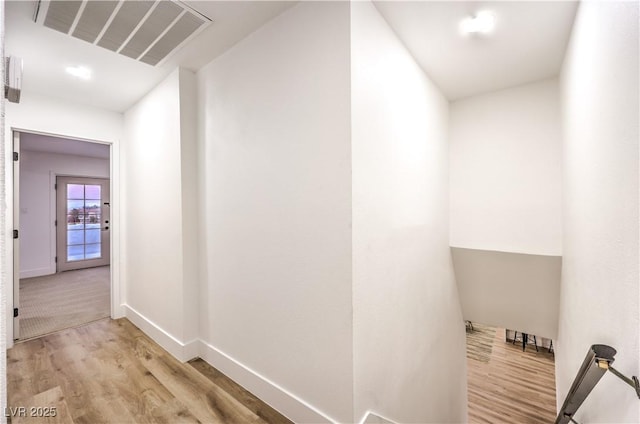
[63,300]
[480,342]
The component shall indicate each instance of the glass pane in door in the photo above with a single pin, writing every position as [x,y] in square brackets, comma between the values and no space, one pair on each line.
[92,192]
[75,253]
[83,222]
[75,191]
[92,251]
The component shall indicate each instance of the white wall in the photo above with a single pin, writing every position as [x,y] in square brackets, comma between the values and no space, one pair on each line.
[47,115]
[155,242]
[37,204]
[509,290]
[599,301]
[276,134]
[58,117]
[506,176]
[409,342]
[190,202]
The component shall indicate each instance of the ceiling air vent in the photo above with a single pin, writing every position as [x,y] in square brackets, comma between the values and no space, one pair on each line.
[144,30]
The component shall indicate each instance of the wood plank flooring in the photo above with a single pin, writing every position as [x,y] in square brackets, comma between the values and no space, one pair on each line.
[513,387]
[110,372]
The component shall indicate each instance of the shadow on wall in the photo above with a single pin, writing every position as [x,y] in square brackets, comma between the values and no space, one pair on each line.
[373,418]
[509,290]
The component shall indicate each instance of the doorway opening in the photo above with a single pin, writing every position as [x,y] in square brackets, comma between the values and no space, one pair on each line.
[62,253]
[509,374]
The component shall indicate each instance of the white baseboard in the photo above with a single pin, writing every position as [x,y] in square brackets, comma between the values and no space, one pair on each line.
[269,392]
[119,311]
[181,351]
[38,272]
[191,350]
[373,418]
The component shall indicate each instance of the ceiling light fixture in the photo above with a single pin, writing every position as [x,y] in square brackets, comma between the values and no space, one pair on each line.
[79,72]
[481,23]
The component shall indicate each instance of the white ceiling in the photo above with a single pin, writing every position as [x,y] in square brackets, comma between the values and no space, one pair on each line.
[527,44]
[62,146]
[118,81]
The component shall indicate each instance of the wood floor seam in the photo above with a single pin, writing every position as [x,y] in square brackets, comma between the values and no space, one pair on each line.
[505,384]
[109,371]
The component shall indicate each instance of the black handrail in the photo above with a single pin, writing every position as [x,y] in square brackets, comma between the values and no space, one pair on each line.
[598,360]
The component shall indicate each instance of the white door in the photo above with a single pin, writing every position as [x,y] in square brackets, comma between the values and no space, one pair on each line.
[83,235]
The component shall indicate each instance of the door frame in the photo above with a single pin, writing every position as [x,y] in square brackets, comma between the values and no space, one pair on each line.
[13,259]
[15,138]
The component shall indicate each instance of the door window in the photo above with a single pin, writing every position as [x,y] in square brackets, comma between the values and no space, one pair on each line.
[83,222]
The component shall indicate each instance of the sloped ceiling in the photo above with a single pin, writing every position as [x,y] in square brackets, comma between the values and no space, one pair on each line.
[527,44]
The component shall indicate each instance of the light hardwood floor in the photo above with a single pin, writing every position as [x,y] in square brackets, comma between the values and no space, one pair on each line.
[513,387]
[110,372]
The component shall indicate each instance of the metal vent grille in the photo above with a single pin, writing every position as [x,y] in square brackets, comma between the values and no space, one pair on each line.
[93,18]
[145,30]
[159,20]
[61,15]
[126,20]
[185,26]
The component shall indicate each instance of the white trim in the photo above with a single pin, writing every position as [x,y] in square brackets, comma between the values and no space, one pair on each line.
[371,417]
[117,288]
[15,225]
[117,309]
[191,349]
[269,392]
[37,272]
[8,258]
[53,251]
[279,398]
[181,351]
[59,135]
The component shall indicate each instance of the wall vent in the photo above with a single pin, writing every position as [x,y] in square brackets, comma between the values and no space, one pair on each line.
[145,30]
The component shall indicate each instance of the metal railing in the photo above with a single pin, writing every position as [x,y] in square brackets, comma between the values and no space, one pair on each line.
[597,362]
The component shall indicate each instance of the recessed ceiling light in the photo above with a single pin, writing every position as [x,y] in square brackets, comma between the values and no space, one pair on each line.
[79,71]
[481,23]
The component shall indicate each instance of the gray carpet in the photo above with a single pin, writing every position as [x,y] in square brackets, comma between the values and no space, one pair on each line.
[64,300]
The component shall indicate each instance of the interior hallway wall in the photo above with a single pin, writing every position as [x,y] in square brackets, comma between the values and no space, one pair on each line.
[275,130]
[409,342]
[506,170]
[599,297]
[506,206]
[509,290]
[160,288]
[37,204]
